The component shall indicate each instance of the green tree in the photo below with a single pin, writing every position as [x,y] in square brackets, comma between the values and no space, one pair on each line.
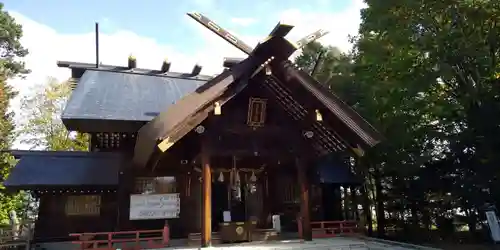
[426,75]
[436,62]
[320,62]
[43,127]
[10,66]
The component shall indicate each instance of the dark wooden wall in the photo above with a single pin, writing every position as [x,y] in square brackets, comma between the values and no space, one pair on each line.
[279,137]
[190,215]
[54,224]
[273,145]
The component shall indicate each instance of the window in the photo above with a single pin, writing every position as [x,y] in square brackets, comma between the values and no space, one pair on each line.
[83,205]
[256,112]
[143,185]
[155,185]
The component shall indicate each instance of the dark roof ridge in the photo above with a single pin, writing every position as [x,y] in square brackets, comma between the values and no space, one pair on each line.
[126,70]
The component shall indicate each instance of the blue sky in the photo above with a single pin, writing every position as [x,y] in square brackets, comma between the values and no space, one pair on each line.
[163,20]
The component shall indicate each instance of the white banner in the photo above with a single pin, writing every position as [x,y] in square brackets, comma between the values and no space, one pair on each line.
[154,206]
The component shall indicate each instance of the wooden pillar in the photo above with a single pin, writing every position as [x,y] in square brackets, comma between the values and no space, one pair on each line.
[367,209]
[206,201]
[270,199]
[347,203]
[304,200]
[354,203]
[125,188]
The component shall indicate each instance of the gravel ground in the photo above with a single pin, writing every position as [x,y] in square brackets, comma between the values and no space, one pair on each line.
[339,243]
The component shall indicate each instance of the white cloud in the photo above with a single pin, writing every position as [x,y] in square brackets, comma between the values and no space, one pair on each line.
[340,25]
[46,46]
[243,21]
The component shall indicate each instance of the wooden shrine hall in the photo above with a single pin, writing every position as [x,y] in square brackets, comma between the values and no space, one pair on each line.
[204,155]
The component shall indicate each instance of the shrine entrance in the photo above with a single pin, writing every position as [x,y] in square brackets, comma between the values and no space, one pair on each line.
[233,191]
[219,203]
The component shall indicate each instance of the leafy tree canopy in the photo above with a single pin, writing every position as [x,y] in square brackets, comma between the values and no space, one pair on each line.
[43,128]
[426,74]
[11,65]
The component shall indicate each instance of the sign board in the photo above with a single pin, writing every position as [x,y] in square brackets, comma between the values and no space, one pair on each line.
[154,206]
[492,219]
[226,216]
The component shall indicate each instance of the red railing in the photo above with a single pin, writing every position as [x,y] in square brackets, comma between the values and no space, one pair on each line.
[328,229]
[110,240]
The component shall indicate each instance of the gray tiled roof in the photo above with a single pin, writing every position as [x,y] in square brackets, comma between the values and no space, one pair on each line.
[105,95]
[50,168]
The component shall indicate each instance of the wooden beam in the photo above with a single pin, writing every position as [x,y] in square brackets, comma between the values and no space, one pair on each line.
[299,113]
[206,206]
[304,200]
[348,122]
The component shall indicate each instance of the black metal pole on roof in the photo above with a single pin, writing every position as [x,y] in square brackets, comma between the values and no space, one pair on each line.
[97,45]
[318,61]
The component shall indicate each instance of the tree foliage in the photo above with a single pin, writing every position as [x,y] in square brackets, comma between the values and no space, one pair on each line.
[43,128]
[11,51]
[426,74]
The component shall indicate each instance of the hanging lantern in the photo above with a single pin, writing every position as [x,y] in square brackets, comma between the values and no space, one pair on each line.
[268,71]
[253,178]
[253,188]
[236,186]
[217,109]
[237,177]
[319,117]
[221,177]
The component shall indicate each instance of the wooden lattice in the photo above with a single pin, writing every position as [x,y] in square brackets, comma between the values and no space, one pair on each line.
[155,185]
[83,205]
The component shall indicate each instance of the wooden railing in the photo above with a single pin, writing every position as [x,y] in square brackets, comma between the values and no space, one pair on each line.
[16,237]
[140,239]
[328,229]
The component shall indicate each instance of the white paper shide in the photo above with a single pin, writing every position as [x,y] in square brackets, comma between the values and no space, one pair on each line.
[154,206]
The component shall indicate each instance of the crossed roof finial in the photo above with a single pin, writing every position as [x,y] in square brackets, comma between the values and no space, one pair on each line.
[191,110]
[280,30]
